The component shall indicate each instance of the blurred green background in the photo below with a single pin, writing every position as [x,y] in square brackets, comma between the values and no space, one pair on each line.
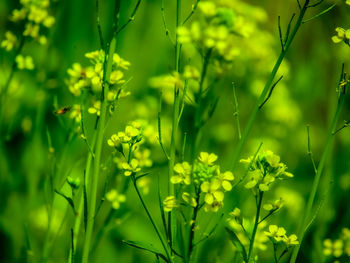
[307,95]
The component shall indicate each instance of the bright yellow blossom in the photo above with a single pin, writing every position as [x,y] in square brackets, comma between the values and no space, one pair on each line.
[25,62]
[9,42]
[115,198]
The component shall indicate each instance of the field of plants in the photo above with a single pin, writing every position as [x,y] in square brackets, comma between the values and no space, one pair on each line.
[175,131]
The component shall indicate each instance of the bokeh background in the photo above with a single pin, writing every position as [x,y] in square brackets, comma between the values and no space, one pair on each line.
[307,95]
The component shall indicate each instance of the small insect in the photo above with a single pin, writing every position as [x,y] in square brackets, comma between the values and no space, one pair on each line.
[63,110]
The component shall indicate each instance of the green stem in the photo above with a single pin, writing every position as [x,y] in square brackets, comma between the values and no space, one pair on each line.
[198,111]
[251,245]
[316,181]
[176,109]
[192,228]
[164,244]
[78,216]
[98,151]
[268,84]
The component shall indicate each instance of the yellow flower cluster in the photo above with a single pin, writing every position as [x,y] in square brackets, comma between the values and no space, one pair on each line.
[207,179]
[264,170]
[274,206]
[24,62]
[36,16]
[91,77]
[342,35]
[132,134]
[166,83]
[215,31]
[278,234]
[115,198]
[339,247]
[9,42]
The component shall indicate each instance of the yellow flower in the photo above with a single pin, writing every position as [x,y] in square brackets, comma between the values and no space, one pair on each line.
[272,159]
[143,156]
[116,77]
[225,179]
[131,168]
[25,62]
[31,30]
[236,215]
[213,195]
[114,141]
[206,158]
[333,248]
[115,198]
[10,41]
[75,113]
[18,15]
[167,81]
[144,183]
[347,2]
[96,108]
[76,71]
[292,240]
[121,63]
[183,173]
[274,206]
[207,8]
[96,56]
[275,232]
[342,35]
[37,15]
[188,199]
[191,72]
[169,203]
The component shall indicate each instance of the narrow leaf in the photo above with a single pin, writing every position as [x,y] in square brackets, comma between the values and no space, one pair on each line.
[69,200]
[237,243]
[148,248]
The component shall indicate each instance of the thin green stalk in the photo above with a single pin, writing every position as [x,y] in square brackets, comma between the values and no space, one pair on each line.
[192,228]
[251,245]
[78,217]
[163,242]
[98,151]
[236,111]
[176,110]
[268,84]
[198,111]
[316,181]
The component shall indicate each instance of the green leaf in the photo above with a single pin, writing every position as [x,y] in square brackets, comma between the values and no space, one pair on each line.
[85,203]
[69,200]
[237,243]
[148,248]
